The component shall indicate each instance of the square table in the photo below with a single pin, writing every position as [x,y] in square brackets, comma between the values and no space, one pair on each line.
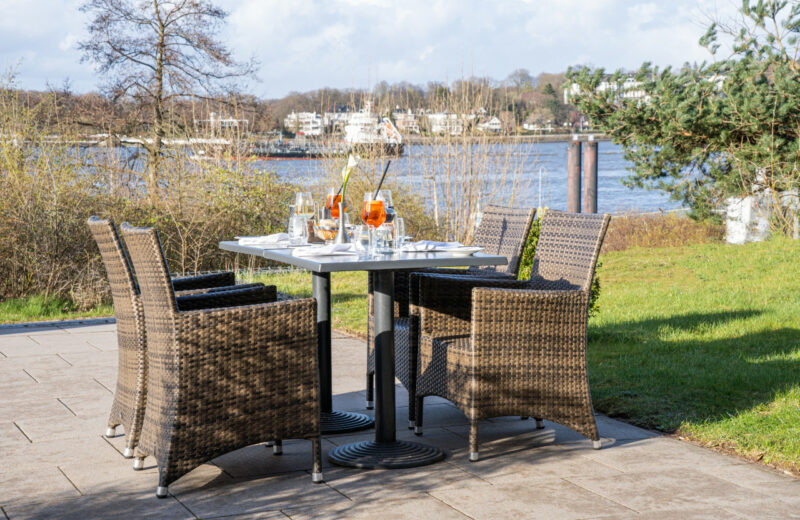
[385,451]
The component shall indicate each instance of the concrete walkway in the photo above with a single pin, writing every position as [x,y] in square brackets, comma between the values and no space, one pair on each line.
[56,386]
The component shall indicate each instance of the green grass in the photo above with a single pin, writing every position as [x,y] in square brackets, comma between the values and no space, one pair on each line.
[704,341]
[40,308]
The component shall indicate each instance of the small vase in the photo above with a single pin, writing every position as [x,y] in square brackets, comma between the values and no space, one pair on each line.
[341,235]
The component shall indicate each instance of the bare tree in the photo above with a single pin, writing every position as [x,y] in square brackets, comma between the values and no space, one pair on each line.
[156,51]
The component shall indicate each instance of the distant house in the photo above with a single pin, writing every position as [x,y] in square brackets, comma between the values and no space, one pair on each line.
[305,123]
[215,125]
[492,124]
[336,121]
[446,123]
[626,87]
[406,121]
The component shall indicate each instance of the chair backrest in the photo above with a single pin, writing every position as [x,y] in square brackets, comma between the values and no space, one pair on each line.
[124,290]
[568,247]
[155,284]
[504,231]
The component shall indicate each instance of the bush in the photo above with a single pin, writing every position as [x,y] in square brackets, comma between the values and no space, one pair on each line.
[659,230]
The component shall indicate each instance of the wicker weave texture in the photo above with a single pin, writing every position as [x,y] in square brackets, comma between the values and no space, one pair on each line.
[222,378]
[503,347]
[501,231]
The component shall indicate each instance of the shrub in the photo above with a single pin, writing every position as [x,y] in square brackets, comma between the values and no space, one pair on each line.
[658,230]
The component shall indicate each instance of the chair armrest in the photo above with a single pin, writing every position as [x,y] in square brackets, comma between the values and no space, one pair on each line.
[203,281]
[445,301]
[229,298]
[276,342]
[507,320]
[217,289]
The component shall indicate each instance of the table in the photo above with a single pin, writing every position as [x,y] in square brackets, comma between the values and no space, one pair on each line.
[385,451]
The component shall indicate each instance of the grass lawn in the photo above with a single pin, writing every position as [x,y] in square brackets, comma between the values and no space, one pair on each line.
[39,308]
[702,340]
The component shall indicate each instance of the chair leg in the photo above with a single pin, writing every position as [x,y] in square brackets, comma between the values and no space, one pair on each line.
[597,444]
[127,453]
[316,470]
[539,423]
[138,463]
[418,414]
[473,440]
[277,448]
[523,417]
[412,408]
[111,432]
[370,390]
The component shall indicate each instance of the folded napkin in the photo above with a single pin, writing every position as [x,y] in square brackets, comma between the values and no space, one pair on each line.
[325,250]
[269,240]
[430,245]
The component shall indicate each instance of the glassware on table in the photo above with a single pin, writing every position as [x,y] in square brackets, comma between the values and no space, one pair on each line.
[386,197]
[298,229]
[384,241]
[360,236]
[332,203]
[373,213]
[304,205]
[399,232]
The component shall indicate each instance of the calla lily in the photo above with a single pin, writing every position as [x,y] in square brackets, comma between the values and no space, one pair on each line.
[352,162]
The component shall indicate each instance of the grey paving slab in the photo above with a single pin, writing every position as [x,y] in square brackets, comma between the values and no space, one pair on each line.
[57,385]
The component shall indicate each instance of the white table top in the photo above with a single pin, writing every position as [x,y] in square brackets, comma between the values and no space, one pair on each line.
[363,262]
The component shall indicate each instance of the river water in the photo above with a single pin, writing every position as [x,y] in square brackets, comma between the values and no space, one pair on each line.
[525,161]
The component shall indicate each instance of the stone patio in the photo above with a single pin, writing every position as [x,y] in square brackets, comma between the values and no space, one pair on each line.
[56,385]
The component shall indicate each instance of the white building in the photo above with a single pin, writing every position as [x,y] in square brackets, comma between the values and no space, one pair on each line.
[492,124]
[216,125]
[446,123]
[406,121]
[336,121]
[305,123]
[627,87]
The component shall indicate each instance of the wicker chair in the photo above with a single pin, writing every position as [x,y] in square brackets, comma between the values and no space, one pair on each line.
[224,374]
[130,395]
[502,347]
[501,231]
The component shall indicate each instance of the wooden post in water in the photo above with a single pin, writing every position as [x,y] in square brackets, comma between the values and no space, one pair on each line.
[590,176]
[574,176]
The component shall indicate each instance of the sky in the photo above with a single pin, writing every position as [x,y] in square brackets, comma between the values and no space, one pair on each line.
[303,45]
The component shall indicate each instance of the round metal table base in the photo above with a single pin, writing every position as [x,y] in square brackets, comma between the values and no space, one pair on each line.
[344,422]
[386,455]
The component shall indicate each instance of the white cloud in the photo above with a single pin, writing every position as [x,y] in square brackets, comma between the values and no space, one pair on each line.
[308,44]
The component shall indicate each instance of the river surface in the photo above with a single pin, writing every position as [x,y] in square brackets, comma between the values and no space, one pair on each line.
[498,164]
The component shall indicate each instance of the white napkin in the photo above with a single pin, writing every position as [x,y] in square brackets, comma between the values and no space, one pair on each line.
[325,250]
[269,240]
[430,245]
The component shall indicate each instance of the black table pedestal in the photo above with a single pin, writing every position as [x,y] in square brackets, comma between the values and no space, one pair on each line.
[385,451]
[331,421]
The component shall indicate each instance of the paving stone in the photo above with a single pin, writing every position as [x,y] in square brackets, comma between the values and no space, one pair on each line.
[239,496]
[95,507]
[258,460]
[23,407]
[668,490]
[32,484]
[10,437]
[423,507]
[534,500]
[65,428]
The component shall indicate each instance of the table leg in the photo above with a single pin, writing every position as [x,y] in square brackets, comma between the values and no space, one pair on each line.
[385,451]
[331,421]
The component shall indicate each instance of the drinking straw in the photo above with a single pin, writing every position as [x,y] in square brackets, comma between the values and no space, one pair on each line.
[382,177]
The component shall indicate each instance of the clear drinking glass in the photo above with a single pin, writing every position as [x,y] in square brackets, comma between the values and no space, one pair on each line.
[298,229]
[399,233]
[304,204]
[332,202]
[384,239]
[373,213]
[386,197]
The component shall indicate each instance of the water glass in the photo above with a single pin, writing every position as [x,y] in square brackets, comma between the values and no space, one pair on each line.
[304,204]
[399,233]
[384,239]
[298,229]
[360,236]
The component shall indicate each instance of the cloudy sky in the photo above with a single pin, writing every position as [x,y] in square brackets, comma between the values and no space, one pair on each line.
[307,44]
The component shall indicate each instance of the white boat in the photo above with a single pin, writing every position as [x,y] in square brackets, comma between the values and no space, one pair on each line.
[367,131]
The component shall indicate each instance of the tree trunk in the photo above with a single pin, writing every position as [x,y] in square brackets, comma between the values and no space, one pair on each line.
[154,164]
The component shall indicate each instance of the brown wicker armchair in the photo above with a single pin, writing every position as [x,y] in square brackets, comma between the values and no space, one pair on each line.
[501,231]
[503,347]
[130,395]
[221,376]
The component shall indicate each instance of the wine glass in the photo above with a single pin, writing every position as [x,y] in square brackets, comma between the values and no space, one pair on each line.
[373,213]
[386,197]
[304,205]
[332,202]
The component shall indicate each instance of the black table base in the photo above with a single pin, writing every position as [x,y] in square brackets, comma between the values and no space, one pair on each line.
[344,422]
[385,455]
[385,451]
[331,421]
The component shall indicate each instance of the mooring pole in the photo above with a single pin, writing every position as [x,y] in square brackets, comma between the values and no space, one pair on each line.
[590,176]
[574,176]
